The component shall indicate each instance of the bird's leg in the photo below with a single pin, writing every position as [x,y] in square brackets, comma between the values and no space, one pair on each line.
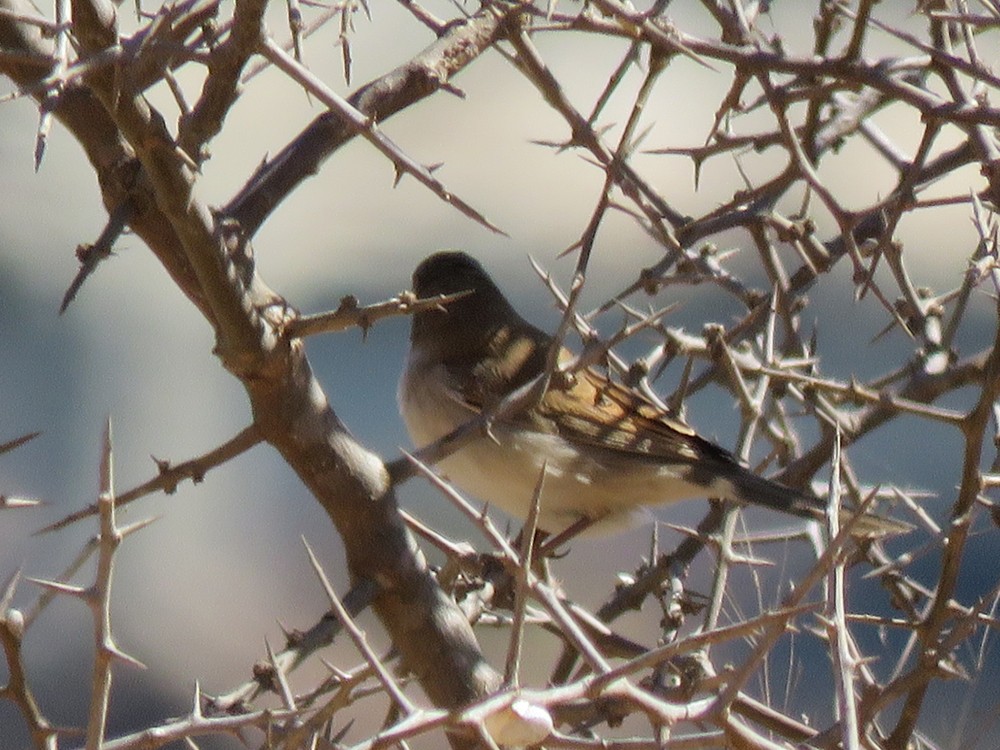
[549,547]
[537,561]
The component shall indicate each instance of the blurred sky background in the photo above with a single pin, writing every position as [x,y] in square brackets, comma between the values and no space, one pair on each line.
[197,593]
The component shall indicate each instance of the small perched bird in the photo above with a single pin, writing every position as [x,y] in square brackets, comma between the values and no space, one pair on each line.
[607,451]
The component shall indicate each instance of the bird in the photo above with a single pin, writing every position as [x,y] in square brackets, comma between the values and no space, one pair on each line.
[608,452]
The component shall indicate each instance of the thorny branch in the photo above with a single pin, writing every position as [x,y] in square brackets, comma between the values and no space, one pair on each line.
[795,415]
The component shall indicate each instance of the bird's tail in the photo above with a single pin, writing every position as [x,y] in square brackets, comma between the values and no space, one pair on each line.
[752,489]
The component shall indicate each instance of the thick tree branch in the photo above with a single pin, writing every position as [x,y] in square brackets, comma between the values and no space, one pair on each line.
[289,406]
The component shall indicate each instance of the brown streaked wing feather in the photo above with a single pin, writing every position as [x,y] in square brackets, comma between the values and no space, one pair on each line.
[601,413]
[594,411]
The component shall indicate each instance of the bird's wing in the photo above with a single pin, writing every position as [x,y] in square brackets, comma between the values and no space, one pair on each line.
[600,413]
[593,410]
[607,417]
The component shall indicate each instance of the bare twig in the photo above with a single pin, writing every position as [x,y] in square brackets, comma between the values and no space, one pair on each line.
[169,476]
[350,314]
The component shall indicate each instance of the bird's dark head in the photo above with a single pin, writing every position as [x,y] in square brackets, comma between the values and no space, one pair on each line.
[450,272]
[467,321]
